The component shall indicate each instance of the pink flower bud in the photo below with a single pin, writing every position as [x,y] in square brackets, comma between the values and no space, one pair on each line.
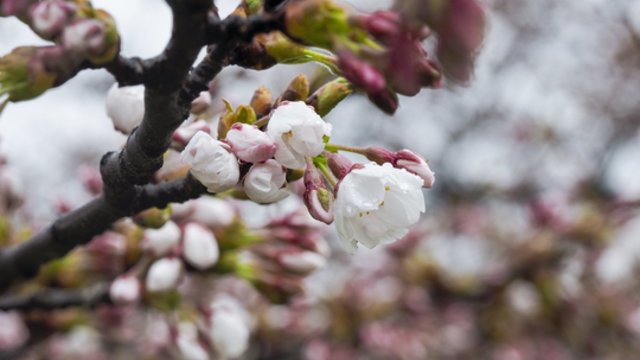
[48,18]
[340,165]
[317,197]
[379,155]
[163,275]
[384,25]
[200,248]
[361,74]
[265,182]
[250,144]
[160,241]
[385,100]
[125,107]
[85,37]
[185,133]
[91,179]
[202,104]
[410,161]
[13,331]
[125,289]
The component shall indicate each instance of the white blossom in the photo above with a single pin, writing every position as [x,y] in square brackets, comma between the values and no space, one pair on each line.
[125,107]
[298,132]
[377,204]
[303,262]
[266,182]
[210,211]
[161,241]
[200,248]
[211,162]
[163,275]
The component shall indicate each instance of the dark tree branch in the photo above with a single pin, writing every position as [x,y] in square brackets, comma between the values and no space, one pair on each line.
[170,87]
[51,299]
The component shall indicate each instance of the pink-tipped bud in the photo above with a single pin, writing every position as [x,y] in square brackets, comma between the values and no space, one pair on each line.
[85,37]
[200,248]
[340,165]
[183,134]
[384,25]
[125,289]
[403,159]
[317,196]
[250,144]
[361,74]
[413,163]
[91,179]
[266,182]
[48,18]
[202,104]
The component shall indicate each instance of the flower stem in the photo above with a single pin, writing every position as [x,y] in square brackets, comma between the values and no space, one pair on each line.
[351,149]
[324,169]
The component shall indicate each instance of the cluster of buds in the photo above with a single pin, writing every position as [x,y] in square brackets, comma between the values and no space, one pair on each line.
[80,33]
[379,53]
[291,248]
[256,158]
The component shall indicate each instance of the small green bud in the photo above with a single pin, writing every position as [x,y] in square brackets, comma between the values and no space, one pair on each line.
[23,75]
[153,218]
[329,95]
[298,90]
[261,101]
[316,22]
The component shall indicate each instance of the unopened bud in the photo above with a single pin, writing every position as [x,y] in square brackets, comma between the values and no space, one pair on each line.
[48,18]
[329,95]
[410,161]
[153,218]
[360,73]
[340,165]
[385,100]
[163,275]
[261,101]
[160,241]
[383,25]
[125,289]
[201,104]
[298,90]
[185,133]
[125,107]
[317,197]
[379,155]
[265,183]
[84,37]
[316,22]
[200,248]
[243,114]
[250,144]
[302,262]
[23,74]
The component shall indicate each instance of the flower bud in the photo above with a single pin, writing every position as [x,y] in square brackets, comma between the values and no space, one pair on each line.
[211,163]
[188,344]
[243,114]
[317,197]
[386,101]
[383,25]
[302,262]
[125,289]
[283,50]
[298,132]
[13,332]
[340,165]
[84,37]
[160,241]
[410,161]
[163,275]
[297,90]
[125,107]
[316,22]
[185,133]
[153,218]
[250,144]
[266,182]
[329,95]
[206,210]
[360,73]
[14,7]
[229,332]
[200,248]
[201,104]
[48,18]
[261,101]
[23,74]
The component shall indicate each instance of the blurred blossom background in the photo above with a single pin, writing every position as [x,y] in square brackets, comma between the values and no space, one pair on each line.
[530,245]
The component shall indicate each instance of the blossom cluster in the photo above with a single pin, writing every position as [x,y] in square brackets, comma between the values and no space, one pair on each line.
[262,160]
